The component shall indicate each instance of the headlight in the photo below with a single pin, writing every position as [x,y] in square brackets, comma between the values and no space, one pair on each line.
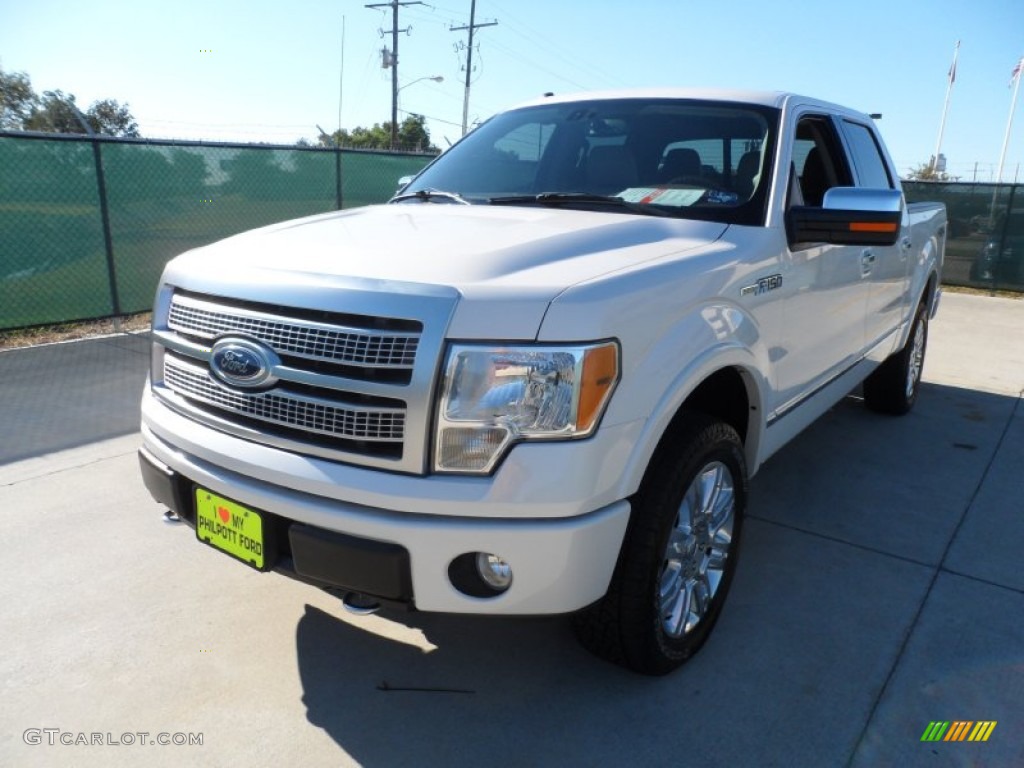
[493,397]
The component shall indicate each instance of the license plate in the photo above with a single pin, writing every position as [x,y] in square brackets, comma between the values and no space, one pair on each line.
[230,527]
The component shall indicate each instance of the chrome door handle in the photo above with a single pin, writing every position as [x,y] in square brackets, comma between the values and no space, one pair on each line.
[906,243]
[867,259]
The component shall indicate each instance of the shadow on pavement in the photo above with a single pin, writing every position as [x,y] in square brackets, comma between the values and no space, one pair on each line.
[66,395]
[803,650]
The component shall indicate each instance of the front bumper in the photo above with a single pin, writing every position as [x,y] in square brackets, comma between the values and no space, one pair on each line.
[559,565]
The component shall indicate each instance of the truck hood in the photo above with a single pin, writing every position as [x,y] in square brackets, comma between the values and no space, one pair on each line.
[506,260]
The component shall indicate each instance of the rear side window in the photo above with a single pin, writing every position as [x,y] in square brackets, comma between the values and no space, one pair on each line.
[867,157]
[819,162]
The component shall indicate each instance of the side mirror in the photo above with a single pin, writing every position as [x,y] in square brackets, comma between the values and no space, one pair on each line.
[403,183]
[848,216]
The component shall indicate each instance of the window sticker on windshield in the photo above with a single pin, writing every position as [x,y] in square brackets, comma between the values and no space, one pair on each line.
[661,196]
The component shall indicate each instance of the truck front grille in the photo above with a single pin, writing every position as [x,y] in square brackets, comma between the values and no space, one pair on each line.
[361,347]
[342,386]
[283,408]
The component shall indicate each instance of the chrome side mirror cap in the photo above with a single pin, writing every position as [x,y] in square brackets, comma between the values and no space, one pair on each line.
[848,216]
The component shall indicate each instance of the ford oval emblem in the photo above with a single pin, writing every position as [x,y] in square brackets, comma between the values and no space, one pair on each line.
[243,363]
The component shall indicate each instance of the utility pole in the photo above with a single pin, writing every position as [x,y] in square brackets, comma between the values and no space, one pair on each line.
[469,57]
[394,5]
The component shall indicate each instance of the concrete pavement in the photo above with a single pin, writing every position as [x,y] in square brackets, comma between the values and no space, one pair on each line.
[60,396]
[880,589]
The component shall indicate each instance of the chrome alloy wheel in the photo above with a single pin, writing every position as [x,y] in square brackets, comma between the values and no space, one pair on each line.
[916,361]
[697,550]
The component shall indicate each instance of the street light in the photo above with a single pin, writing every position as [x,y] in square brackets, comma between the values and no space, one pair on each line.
[435,78]
[394,123]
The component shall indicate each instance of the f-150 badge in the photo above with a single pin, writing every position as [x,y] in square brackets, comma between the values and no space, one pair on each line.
[763,285]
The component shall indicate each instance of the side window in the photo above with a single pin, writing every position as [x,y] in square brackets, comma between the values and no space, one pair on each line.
[867,157]
[819,162]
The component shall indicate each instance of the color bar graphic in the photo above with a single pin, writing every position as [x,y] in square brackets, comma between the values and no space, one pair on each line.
[958,730]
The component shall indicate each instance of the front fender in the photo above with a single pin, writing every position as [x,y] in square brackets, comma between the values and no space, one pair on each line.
[745,361]
[678,320]
[668,351]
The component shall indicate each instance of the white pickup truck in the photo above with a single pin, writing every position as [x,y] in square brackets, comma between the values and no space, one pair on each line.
[538,380]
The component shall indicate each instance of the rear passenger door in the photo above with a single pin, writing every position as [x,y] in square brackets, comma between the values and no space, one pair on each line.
[886,267]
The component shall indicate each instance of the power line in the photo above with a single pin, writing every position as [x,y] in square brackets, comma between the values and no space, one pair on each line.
[518,56]
[431,18]
[429,117]
[552,48]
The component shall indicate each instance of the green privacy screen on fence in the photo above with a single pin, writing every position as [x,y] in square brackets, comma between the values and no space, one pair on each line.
[985,237]
[52,257]
[161,198]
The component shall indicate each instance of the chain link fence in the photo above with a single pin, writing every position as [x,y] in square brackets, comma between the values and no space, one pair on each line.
[86,226]
[985,236]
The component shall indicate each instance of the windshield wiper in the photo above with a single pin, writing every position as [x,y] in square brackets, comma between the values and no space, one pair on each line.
[426,195]
[584,198]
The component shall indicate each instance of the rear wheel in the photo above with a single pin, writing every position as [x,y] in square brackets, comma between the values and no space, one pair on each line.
[679,554]
[893,386]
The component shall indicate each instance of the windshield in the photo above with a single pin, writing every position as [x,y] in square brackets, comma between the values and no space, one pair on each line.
[693,159]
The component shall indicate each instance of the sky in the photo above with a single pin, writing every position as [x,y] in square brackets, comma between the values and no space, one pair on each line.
[256,70]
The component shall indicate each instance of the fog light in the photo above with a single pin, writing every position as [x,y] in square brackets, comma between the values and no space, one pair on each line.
[480,574]
[496,573]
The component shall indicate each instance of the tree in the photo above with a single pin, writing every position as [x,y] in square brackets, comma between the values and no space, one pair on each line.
[927,172]
[110,117]
[54,113]
[21,109]
[412,136]
[17,99]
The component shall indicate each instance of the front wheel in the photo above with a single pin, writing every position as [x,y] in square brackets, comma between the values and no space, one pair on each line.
[679,553]
[893,386]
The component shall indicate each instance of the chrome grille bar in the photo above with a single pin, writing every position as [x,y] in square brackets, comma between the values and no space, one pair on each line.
[291,410]
[304,338]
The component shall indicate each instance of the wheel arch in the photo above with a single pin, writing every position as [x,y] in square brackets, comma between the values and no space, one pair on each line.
[729,388]
[931,294]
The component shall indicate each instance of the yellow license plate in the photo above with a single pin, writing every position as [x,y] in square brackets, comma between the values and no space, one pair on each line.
[230,527]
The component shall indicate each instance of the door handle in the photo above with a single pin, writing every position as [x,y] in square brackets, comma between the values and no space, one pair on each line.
[867,260]
[906,243]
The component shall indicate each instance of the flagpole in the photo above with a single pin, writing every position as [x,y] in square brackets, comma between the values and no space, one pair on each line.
[945,108]
[1018,74]
[1009,122]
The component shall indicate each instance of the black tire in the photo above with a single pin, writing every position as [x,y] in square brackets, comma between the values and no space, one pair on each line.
[892,388]
[629,625]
